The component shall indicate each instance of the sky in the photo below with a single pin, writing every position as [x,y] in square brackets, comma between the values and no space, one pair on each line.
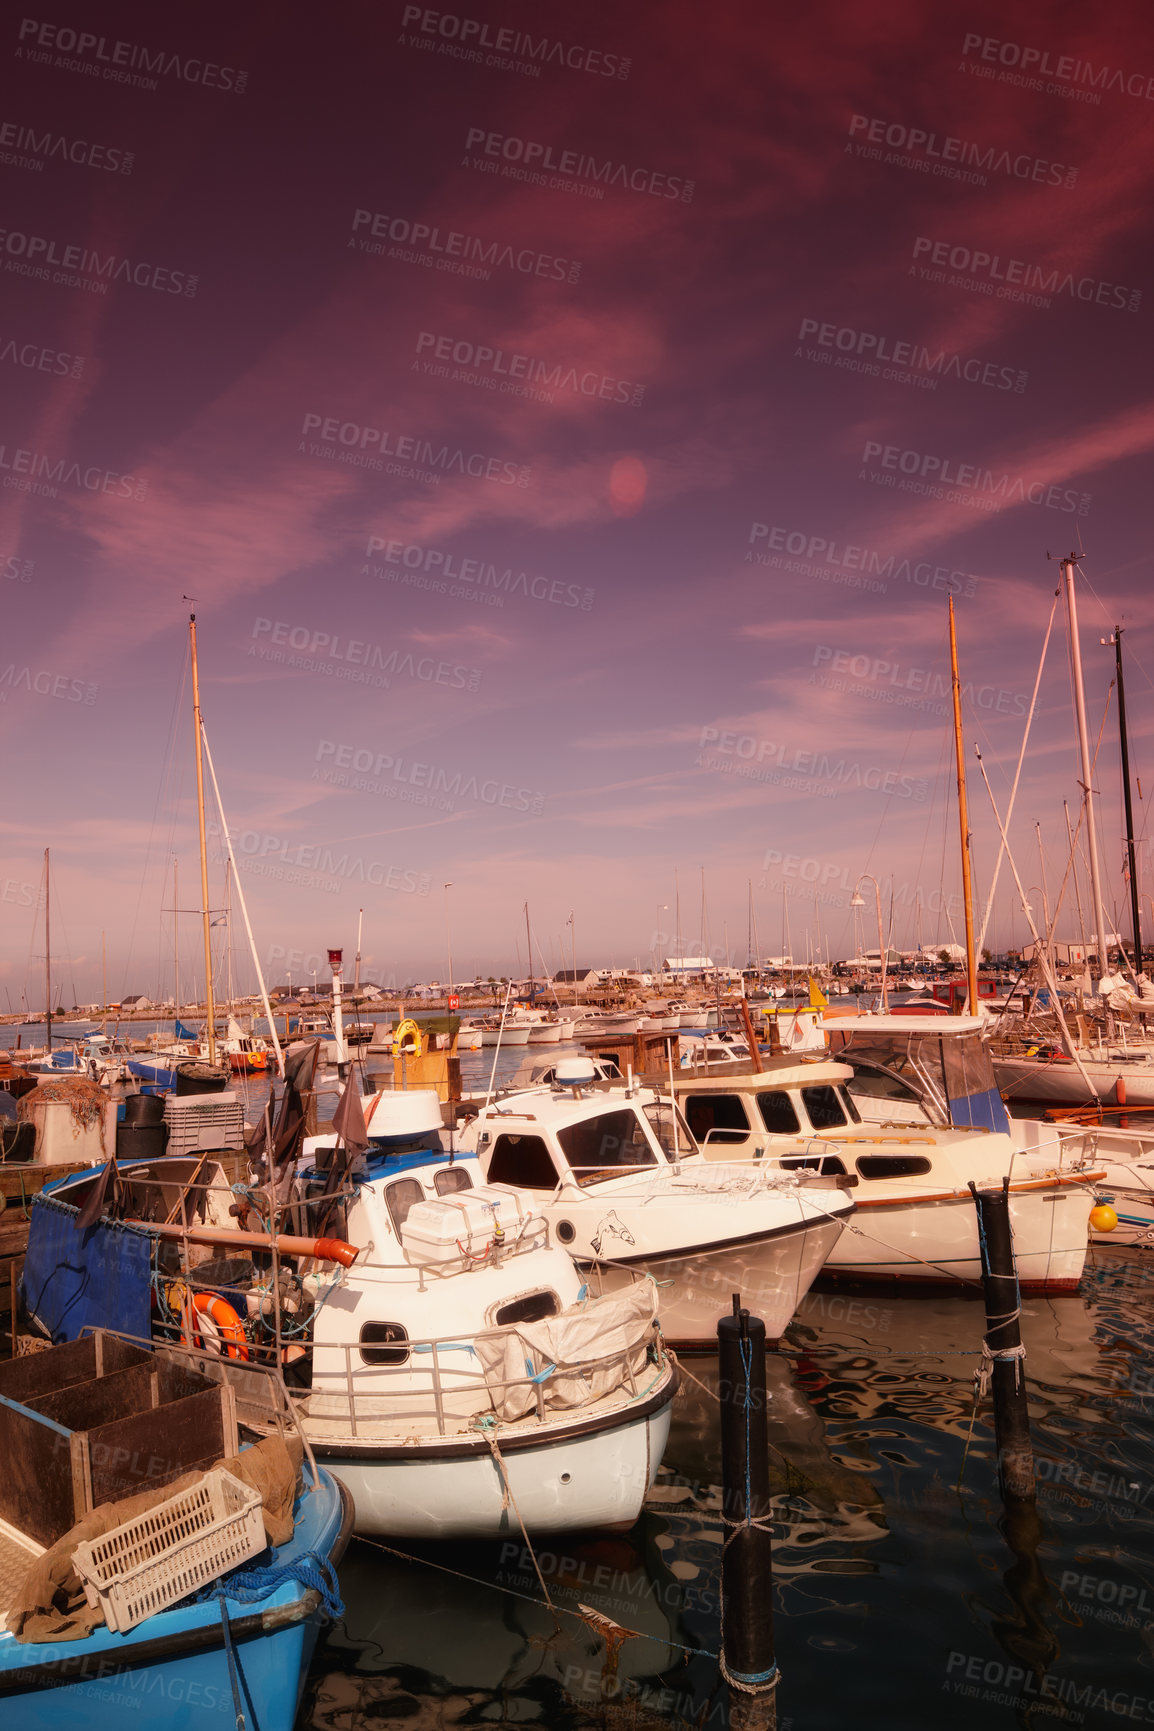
[568,428]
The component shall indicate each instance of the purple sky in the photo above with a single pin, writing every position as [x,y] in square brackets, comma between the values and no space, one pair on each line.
[570,427]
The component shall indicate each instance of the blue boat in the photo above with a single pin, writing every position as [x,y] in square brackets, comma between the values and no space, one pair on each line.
[243,1647]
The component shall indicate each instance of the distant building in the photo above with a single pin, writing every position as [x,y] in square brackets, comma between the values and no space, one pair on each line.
[578,977]
[1065,955]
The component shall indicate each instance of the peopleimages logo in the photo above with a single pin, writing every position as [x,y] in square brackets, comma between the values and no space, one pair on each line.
[412,457]
[857,567]
[955,158]
[25,147]
[868,352]
[1036,65]
[120,62]
[27,471]
[572,170]
[1014,278]
[456,574]
[893,681]
[963,483]
[506,49]
[75,266]
[453,250]
[518,375]
[38,358]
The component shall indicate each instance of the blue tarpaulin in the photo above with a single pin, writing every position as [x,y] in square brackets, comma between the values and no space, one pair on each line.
[183,1033]
[100,1278]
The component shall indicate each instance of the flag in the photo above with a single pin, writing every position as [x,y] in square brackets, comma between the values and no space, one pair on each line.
[349,1119]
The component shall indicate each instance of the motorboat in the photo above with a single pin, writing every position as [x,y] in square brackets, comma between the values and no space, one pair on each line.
[616,1173]
[717,1048]
[449,1360]
[915,1217]
[906,1071]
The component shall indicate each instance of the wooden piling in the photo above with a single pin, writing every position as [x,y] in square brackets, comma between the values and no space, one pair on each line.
[1004,1355]
[747,1653]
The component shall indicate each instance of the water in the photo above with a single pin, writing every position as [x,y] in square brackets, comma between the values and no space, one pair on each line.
[902,1598]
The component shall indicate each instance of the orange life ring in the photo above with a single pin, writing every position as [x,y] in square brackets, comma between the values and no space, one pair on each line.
[226,1327]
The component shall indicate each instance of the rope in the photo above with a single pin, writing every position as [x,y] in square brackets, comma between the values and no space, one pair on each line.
[249,1586]
[232,1676]
[986,1363]
[529,1598]
[488,1428]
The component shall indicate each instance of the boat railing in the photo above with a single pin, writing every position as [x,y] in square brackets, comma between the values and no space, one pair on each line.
[484,1393]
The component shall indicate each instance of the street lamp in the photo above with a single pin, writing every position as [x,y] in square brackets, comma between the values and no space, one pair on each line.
[857,900]
[448,945]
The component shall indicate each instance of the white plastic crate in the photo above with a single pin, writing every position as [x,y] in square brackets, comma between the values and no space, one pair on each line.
[461,1224]
[152,1562]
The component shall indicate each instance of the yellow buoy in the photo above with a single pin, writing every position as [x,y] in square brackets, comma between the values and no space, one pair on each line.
[1103,1218]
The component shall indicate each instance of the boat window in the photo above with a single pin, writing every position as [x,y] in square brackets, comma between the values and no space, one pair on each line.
[720,1117]
[660,1116]
[601,1146]
[893,1165]
[402,1196]
[777,1113]
[823,1106]
[847,1101]
[374,1349]
[451,1179]
[830,1165]
[522,1160]
[532,1308]
[879,1084]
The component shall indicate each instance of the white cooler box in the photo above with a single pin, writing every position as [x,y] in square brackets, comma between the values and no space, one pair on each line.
[454,1226]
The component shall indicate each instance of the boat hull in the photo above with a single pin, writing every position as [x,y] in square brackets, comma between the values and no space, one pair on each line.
[937,1239]
[1028,1079]
[773,1273]
[573,1477]
[173,1669]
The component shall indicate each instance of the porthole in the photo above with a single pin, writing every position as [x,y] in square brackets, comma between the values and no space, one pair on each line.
[566,1231]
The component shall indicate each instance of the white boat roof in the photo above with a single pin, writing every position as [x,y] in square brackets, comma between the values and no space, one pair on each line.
[784,1072]
[896,1024]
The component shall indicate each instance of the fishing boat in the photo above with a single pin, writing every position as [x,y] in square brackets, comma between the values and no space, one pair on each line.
[617,1175]
[447,1357]
[915,1217]
[129,1637]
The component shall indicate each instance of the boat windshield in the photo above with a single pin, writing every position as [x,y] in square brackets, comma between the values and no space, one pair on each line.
[605,1146]
[662,1117]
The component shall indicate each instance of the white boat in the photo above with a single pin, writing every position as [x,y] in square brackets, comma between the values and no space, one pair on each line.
[908,1070]
[458,1374]
[712,1050]
[915,1217]
[1050,1074]
[621,1182]
[470,1036]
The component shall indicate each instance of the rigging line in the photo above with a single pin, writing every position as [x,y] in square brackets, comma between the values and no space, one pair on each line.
[1018,771]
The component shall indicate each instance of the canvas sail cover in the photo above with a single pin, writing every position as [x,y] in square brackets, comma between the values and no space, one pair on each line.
[579,1356]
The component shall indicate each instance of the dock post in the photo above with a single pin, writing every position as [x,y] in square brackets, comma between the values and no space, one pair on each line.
[747,1657]
[1003,1355]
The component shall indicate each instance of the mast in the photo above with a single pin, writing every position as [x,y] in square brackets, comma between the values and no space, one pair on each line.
[529,943]
[176,935]
[964,825]
[1131,861]
[1069,567]
[103,985]
[209,1006]
[47,954]
[357,959]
